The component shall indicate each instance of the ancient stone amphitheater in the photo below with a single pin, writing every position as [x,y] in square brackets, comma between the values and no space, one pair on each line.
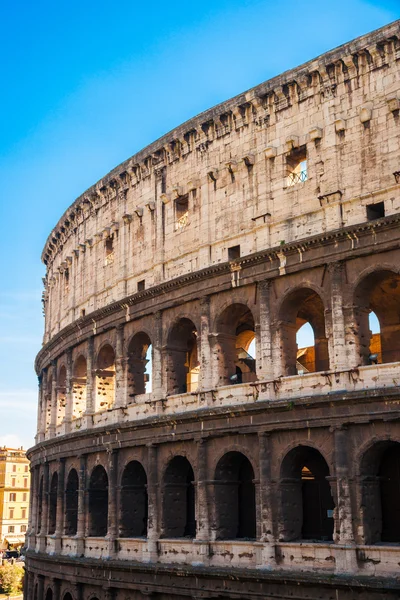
[189,444]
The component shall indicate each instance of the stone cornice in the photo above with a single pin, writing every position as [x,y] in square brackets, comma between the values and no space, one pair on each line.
[351,234]
[320,75]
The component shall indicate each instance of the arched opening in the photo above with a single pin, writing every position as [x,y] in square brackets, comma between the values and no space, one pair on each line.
[378,293]
[105,378]
[134,504]
[235,345]
[49,594]
[179,515]
[183,363]
[61,394]
[68,596]
[306,499]
[380,477]
[301,307]
[235,498]
[79,387]
[98,502]
[71,503]
[40,506]
[139,365]
[53,504]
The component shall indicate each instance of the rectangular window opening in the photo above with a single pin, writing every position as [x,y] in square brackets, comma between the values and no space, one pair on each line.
[11,529]
[375,211]
[233,252]
[141,285]
[182,211]
[109,245]
[296,164]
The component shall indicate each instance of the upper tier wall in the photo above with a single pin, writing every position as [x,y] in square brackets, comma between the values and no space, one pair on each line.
[221,181]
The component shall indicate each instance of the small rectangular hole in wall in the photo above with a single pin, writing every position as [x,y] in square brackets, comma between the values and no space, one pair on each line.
[182,211]
[296,164]
[83,312]
[109,245]
[233,252]
[141,285]
[375,211]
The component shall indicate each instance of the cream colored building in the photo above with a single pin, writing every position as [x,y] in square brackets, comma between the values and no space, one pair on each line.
[14,497]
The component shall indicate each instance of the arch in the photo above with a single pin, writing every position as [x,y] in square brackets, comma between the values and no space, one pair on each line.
[300,306]
[67,596]
[306,499]
[178,501]
[98,502]
[235,334]
[378,292]
[380,492]
[53,504]
[71,503]
[49,594]
[40,505]
[235,497]
[79,386]
[183,367]
[139,355]
[105,378]
[61,394]
[134,501]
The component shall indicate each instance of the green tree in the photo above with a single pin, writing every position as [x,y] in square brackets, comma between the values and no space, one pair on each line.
[11,577]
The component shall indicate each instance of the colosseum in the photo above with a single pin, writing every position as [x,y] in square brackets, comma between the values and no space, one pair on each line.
[188,445]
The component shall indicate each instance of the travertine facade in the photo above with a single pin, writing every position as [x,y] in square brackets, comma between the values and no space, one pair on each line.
[186,446]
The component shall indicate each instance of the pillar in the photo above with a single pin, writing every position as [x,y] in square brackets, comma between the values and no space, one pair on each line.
[82,506]
[69,392]
[90,378]
[53,400]
[153,524]
[346,560]
[33,493]
[60,505]
[336,336]
[266,517]
[158,392]
[206,363]
[56,589]
[40,431]
[120,369]
[45,509]
[202,517]
[264,363]
[40,581]
[112,529]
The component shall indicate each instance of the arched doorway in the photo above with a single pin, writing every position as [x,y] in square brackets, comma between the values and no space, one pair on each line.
[306,499]
[379,293]
[71,503]
[303,306]
[139,365]
[105,378]
[53,504]
[380,480]
[134,503]
[235,498]
[178,502]
[235,345]
[183,367]
[98,502]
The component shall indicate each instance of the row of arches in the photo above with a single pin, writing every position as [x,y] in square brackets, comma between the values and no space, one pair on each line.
[303,343]
[306,498]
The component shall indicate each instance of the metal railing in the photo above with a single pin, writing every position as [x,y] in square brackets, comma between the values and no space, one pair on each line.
[299,177]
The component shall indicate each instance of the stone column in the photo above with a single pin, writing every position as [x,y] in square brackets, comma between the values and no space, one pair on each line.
[112,528]
[206,365]
[45,510]
[337,346]
[153,522]
[266,516]
[69,392]
[40,432]
[203,524]
[56,589]
[33,493]
[53,400]
[158,389]
[264,363]
[81,530]
[29,585]
[346,560]
[90,378]
[109,593]
[120,369]
[79,591]
[60,506]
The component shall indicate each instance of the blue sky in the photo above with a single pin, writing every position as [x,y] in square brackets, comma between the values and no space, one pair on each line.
[87,84]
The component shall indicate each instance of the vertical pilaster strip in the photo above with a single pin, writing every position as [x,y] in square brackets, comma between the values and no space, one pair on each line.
[153,523]
[53,400]
[60,504]
[56,589]
[203,525]
[82,506]
[120,385]
[157,392]
[337,347]
[39,431]
[69,408]
[90,378]
[40,587]
[206,366]
[112,502]
[264,362]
